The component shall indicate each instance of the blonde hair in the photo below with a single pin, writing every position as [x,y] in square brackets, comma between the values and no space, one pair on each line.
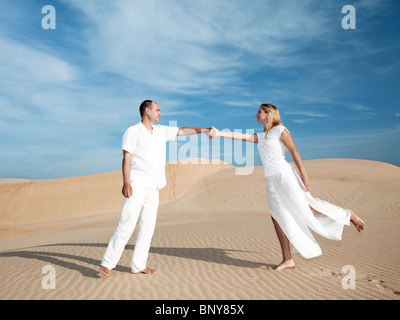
[274,117]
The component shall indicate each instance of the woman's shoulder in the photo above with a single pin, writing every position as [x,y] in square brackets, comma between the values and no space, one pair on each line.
[274,133]
[279,129]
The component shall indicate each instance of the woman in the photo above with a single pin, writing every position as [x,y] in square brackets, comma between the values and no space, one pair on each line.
[290,203]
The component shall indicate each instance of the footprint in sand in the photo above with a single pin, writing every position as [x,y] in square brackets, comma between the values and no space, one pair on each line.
[381,285]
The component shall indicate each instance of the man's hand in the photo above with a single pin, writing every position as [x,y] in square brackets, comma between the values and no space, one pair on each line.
[127,190]
[188,131]
[213,133]
[126,168]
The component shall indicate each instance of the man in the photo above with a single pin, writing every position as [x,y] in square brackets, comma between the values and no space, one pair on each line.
[143,170]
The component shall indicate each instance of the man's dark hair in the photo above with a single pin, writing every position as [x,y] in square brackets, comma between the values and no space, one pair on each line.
[145,104]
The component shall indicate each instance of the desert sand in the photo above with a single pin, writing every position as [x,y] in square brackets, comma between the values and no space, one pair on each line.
[214,237]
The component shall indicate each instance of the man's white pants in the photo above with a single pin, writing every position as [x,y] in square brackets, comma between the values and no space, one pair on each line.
[142,205]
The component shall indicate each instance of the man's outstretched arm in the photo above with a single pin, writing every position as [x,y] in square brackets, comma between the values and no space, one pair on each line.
[188,131]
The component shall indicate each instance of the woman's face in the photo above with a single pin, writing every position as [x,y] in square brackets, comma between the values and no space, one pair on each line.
[262,116]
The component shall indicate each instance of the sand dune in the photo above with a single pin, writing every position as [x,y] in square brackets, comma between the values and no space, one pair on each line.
[214,237]
[25,200]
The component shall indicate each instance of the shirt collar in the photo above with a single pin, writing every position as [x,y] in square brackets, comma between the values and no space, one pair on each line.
[142,128]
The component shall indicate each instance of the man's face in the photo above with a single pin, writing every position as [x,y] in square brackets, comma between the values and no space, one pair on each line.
[154,112]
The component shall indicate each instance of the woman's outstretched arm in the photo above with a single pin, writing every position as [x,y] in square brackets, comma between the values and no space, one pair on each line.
[248,137]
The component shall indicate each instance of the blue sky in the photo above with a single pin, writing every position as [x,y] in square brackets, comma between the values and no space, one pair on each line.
[68,94]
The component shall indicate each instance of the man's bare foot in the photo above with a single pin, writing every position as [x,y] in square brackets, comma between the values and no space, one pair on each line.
[146,271]
[104,271]
[356,220]
[288,264]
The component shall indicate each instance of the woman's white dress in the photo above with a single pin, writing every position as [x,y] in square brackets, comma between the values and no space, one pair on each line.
[289,202]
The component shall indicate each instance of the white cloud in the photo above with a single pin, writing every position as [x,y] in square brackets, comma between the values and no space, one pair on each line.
[312,114]
[195,47]
[23,63]
[243,104]
[359,107]
[303,121]
[33,83]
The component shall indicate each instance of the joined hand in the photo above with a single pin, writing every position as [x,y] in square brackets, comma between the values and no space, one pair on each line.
[212,133]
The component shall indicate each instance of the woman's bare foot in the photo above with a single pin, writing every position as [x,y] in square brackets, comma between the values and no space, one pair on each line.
[356,220]
[104,271]
[146,271]
[288,264]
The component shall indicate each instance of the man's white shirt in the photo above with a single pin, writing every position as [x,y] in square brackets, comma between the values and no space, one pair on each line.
[148,153]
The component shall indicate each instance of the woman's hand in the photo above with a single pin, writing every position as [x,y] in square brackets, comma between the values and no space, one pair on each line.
[306,182]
